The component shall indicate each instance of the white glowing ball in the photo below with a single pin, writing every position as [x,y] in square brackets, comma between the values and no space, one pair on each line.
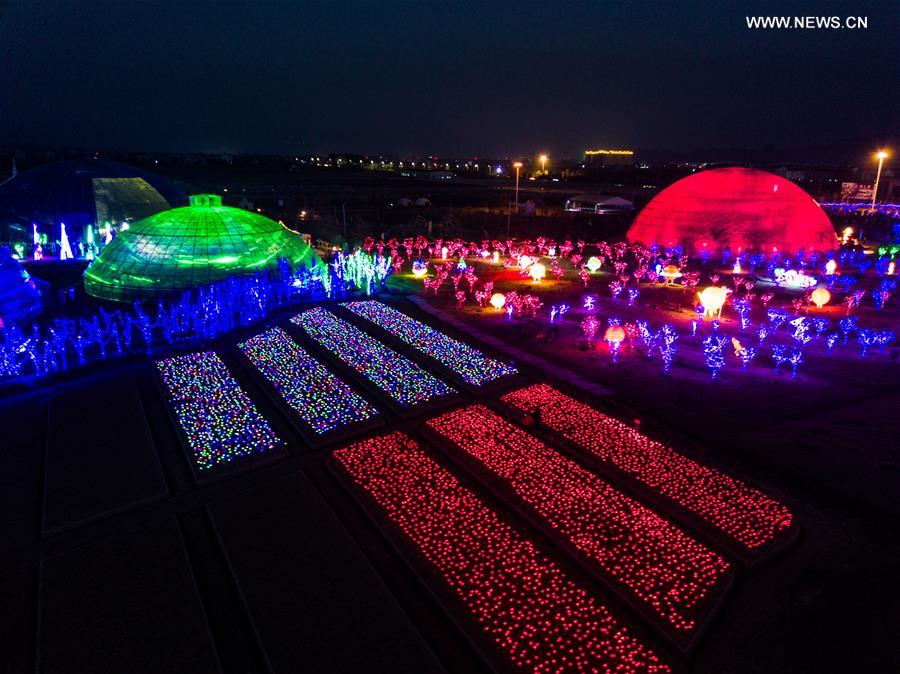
[498,300]
[525,261]
[593,264]
[830,267]
[820,297]
[537,272]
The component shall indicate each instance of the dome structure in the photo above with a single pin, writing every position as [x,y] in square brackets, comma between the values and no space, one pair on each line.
[20,299]
[195,245]
[737,208]
[79,193]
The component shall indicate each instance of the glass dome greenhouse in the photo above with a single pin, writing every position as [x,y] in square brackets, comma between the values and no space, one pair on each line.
[195,245]
[81,193]
[739,208]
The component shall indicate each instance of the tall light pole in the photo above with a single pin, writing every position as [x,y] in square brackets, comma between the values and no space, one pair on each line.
[543,159]
[881,155]
[517,165]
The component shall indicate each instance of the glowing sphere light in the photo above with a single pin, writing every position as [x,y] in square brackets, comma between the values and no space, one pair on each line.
[615,334]
[537,272]
[498,300]
[593,264]
[820,297]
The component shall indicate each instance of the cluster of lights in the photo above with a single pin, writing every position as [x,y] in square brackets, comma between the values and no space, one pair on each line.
[204,313]
[396,375]
[318,397]
[366,272]
[743,513]
[667,570]
[219,420]
[794,279]
[539,617]
[625,153]
[468,362]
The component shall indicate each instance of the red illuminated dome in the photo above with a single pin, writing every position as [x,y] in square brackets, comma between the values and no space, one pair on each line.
[739,208]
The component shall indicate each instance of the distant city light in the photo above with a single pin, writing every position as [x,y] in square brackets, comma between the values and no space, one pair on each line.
[592,153]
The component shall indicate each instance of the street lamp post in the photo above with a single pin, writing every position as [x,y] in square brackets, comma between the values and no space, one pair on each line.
[881,155]
[517,165]
[543,159]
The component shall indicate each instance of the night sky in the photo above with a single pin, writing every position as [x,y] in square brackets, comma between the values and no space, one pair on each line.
[445,78]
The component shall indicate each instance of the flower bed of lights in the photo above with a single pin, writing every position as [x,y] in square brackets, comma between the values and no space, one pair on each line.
[315,395]
[399,378]
[218,419]
[537,617]
[474,366]
[746,519]
[652,562]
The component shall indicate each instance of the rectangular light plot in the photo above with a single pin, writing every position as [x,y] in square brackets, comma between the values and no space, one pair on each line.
[396,375]
[743,514]
[219,420]
[317,397]
[535,613]
[671,575]
[474,366]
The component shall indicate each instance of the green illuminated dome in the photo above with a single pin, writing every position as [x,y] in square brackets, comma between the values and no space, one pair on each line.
[195,245]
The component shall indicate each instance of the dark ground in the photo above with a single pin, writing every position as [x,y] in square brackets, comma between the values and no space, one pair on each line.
[118,560]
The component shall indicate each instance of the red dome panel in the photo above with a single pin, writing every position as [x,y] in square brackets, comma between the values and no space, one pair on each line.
[744,209]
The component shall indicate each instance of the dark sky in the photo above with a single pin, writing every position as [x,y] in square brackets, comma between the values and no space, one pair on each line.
[441,77]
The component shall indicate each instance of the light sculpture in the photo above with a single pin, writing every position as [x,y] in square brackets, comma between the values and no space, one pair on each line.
[713,299]
[820,297]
